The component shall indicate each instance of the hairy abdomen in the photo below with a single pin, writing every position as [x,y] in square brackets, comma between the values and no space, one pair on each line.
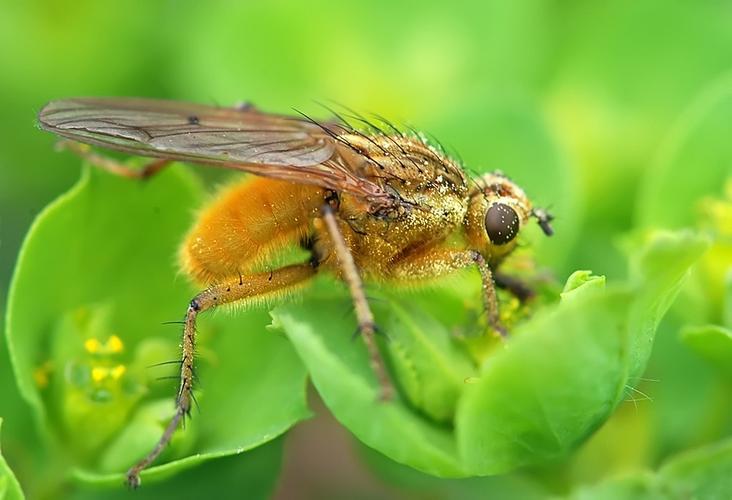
[246,226]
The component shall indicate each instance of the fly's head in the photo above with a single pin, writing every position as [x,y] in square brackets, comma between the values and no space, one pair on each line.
[498,210]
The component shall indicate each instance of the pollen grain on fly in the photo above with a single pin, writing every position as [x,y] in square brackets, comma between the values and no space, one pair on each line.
[365,199]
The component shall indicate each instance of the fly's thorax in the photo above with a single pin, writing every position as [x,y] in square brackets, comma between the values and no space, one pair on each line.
[405,164]
[429,190]
[428,187]
[497,211]
[427,217]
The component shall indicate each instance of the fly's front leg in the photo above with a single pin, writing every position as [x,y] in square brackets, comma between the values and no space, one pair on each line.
[237,290]
[434,262]
[365,317]
[490,299]
[111,165]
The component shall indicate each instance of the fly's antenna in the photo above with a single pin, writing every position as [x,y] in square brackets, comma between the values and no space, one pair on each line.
[544,219]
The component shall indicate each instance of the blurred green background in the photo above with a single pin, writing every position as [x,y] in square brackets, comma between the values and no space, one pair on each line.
[611,85]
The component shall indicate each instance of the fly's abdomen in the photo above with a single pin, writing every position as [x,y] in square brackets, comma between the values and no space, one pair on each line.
[246,226]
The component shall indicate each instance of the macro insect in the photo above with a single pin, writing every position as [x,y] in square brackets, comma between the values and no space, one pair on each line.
[378,204]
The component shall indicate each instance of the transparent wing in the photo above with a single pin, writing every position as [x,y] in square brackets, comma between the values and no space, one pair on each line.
[270,145]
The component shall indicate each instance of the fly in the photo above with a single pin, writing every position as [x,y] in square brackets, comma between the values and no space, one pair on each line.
[377,205]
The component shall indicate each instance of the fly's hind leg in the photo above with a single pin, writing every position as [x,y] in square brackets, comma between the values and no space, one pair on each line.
[237,290]
[111,165]
[365,317]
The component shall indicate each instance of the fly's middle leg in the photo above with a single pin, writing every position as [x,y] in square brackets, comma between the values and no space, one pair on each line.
[365,317]
[236,290]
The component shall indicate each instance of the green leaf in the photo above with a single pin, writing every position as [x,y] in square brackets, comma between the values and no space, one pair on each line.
[109,244]
[9,486]
[578,283]
[690,185]
[711,342]
[552,385]
[567,370]
[658,268]
[340,370]
[428,365]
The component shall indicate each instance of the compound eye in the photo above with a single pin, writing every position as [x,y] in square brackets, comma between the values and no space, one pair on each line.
[501,223]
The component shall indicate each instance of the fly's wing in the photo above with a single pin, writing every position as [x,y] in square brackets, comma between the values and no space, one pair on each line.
[281,147]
